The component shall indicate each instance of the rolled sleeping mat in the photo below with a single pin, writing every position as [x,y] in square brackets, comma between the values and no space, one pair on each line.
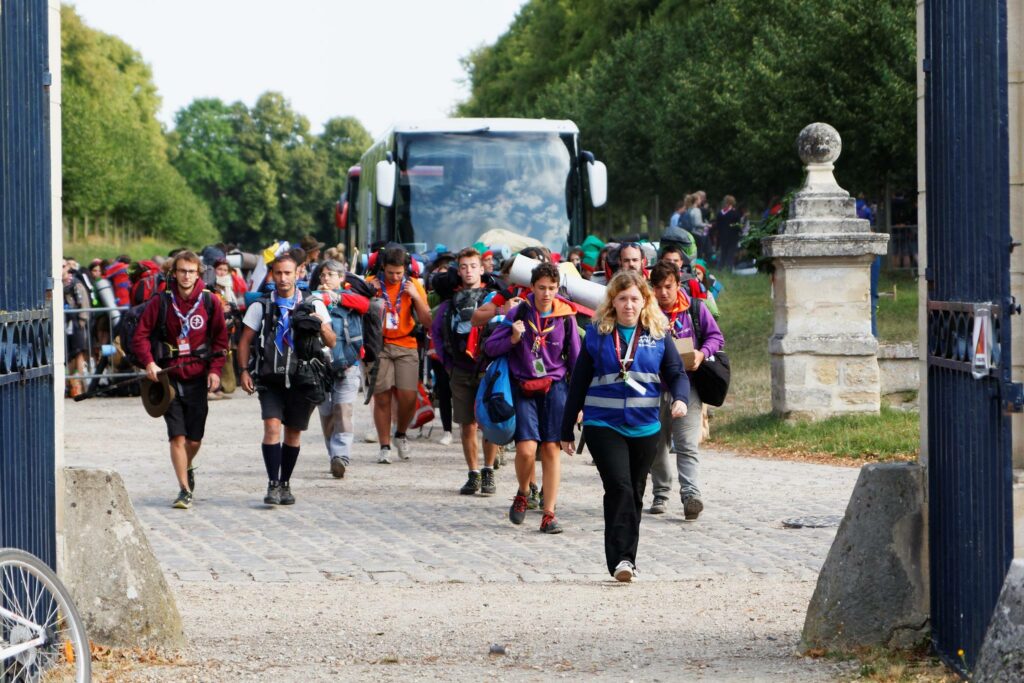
[105,293]
[585,292]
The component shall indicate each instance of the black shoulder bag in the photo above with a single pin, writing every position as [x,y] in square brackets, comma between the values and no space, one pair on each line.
[711,378]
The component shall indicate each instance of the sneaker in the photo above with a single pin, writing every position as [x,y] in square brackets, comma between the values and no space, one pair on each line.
[550,525]
[517,513]
[384,457]
[446,439]
[273,496]
[540,499]
[533,502]
[404,452]
[370,436]
[487,482]
[692,507]
[659,505]
[472,484]
[337,467]
[286,494]
[192,480]
[625,571]
[183,501]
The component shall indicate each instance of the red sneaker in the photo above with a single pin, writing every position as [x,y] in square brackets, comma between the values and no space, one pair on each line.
[549,524]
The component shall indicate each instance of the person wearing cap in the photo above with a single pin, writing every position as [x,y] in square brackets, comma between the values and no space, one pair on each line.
[312,247]
[189,322]
[487,259]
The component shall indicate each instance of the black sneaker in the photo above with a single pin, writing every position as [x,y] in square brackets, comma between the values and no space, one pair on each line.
[487,482]
[472,484]
[192,479]
[692,507]
[337,468]
[273,496]
[183,501]
[659,505]
[286,494]
[517,513]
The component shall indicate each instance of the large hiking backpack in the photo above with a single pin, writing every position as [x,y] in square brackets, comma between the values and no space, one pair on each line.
[458,332]
[117,273]
[495,410]
[149,283]
[159,346]
[348,328]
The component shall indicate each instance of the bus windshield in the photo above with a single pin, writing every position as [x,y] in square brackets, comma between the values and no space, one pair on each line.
[456,189]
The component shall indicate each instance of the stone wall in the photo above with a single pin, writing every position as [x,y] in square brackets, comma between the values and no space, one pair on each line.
[899,368]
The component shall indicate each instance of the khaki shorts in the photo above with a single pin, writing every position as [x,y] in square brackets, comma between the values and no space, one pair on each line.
[399,368]
[464,384]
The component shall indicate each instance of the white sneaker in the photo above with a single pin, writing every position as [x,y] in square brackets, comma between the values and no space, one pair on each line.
[385,457]
[446,439]
[403,448]
[370,436]
[625,571]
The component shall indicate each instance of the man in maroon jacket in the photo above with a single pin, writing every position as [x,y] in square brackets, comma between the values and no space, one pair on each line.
[189,324]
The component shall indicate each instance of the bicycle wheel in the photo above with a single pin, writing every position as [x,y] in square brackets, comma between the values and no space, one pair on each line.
[30,590]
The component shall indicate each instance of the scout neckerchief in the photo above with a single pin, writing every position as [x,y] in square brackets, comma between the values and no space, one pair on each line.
[626,361]
[393,311]
[184,348]
[540,336]
[283,336]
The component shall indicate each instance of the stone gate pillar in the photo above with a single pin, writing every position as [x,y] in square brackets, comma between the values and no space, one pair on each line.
[823,355]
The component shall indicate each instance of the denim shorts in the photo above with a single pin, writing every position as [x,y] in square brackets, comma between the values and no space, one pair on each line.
[540,418]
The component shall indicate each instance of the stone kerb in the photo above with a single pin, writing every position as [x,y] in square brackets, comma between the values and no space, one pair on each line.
[823,356]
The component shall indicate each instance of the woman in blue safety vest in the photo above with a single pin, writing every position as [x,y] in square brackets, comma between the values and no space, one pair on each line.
[617,381]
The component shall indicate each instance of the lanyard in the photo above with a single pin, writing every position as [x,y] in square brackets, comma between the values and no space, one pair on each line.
[540,337]
[397,307]
[625,362]
[185,326]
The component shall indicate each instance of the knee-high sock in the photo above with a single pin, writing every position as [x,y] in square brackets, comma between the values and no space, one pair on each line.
[289,456]
[272,459]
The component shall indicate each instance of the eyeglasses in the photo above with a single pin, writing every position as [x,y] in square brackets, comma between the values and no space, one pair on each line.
[181,271]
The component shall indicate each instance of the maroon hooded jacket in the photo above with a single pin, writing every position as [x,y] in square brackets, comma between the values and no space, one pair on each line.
[212,332]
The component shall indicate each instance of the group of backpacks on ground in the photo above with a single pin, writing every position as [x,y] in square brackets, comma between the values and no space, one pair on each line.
[496,356]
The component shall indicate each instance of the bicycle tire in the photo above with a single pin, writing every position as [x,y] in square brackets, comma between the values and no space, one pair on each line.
[30,589]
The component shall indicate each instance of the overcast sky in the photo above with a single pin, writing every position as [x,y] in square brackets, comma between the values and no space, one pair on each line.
[380,61]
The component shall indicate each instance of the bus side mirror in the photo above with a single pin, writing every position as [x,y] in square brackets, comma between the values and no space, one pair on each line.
[341,214]
[597,177]
[385,179]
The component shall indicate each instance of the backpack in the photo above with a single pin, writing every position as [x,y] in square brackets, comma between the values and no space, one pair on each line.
[348,327]
[457,330]
[159,347]
[424,412]
[150,282]
[302,365]
[495,410]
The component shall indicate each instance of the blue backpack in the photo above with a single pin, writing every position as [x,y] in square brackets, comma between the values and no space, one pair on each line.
[495,411]
[348,326]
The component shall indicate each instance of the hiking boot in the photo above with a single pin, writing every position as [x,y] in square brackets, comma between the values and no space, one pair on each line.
[625,571]
[384,458]
[404,452]
[472,484]
[550,525]
[337,467]
[659,505]
[487,482]
[286,494]
[533,502]
[446,439]
[183,501]
[692,507]
[192,480]
[273,496]
[517,513]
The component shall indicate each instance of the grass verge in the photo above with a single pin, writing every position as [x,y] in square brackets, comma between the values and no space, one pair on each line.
[86,250]
[892,666]
[746,423]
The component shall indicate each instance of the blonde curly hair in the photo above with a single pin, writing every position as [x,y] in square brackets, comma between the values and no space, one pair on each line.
[651,317]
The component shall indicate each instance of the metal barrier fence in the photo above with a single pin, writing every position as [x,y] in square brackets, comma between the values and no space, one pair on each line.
[100,357]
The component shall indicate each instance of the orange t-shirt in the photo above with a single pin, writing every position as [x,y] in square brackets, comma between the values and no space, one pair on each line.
[402,335]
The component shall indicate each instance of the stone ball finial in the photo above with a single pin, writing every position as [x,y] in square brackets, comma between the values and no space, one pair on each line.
[819,143]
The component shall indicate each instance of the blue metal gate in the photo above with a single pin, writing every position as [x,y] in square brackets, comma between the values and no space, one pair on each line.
[27,492]
[969,448]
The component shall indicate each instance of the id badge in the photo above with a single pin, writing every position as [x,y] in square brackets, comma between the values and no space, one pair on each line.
[538,368]
[635,386]
[184,349]
[392,321]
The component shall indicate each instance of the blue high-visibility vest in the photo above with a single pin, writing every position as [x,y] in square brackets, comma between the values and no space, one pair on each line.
[609,399]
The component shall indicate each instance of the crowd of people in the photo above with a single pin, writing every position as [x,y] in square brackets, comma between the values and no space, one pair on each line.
[306,333]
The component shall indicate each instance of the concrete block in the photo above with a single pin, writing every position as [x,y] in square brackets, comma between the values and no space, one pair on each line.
[1002,654]
[110,569]
[873,588]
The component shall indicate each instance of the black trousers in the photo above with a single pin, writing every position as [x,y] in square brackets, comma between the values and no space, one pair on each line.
[624,463]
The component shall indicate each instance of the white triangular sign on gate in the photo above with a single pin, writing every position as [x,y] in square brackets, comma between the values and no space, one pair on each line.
[981,356]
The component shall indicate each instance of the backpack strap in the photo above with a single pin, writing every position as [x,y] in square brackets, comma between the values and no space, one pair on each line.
[695,319]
